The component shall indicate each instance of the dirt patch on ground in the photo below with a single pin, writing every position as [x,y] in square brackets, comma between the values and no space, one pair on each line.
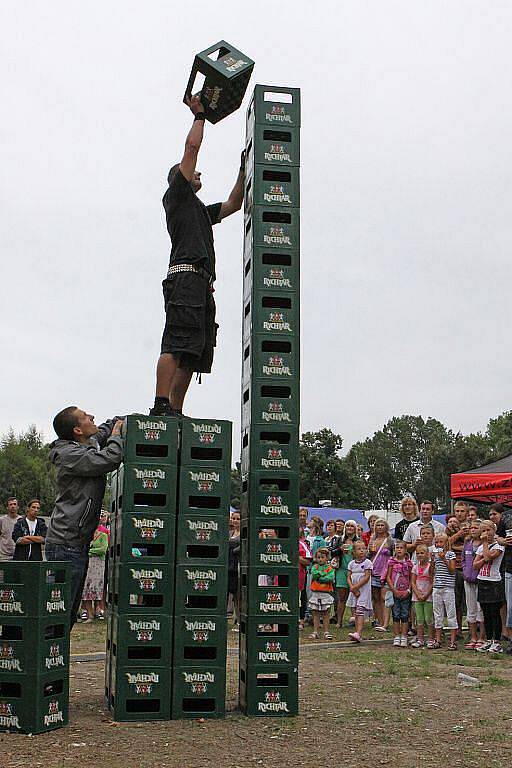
[359,707]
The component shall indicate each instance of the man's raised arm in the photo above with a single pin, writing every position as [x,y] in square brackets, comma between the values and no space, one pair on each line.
[194,139]
[236,196]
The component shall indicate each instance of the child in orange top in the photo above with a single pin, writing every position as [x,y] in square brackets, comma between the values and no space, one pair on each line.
[322,588]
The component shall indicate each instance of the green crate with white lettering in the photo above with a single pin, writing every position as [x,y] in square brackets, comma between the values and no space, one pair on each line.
[274,105]
[142,588]
[206,442]
[272,227]
[141,640]
[271,270]
[34,589]
[272,448]
[269,592]
[205,490]
[201,590]
[268,544]
[270,186]
[34,645]
[151,439]
[271,498]
[149,488]
[270,359]
[268,692]
[34,703]
[140,693]
[141,537]
[276,147]
[270,403]
[200,640]
[198,691]
[269,645]
[202,539]
[271,314]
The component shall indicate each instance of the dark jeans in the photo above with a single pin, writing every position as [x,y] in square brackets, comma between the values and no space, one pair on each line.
[492,620]
[79,559]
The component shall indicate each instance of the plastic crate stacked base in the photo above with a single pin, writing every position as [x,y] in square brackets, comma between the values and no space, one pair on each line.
[270,406]
[200,624]
[34,646]
[141,572]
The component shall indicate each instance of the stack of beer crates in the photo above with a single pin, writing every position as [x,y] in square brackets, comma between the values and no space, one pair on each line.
[141,571]
[270,406]
[200,623]
[35,604]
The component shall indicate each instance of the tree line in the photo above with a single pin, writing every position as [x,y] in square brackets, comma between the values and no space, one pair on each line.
[409,454]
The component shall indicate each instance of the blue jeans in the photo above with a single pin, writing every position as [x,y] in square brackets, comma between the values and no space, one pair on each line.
[79,559]
[401,608]
[508,598]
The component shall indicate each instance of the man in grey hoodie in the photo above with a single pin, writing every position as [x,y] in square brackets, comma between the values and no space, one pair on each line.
[83,456]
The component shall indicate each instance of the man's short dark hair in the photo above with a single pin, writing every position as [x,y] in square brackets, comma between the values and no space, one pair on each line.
[12,498]
[427,501]
[497,508]
[65,422]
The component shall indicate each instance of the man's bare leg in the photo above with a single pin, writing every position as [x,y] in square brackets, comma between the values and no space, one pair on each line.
[179,387]
[165,370]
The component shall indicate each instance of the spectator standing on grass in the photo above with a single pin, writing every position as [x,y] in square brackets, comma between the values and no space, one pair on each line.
[472,513]
[233,563]
[470,575]
[340,527]
[29,534]
[490,586]
[359,582]
[366,535]
[305,559]
[421,585]
[412,534]
[497,515]
[409,511]
[344,555]
[507,570]
[322,587]
[460,511]
[457,529]
[92,596]
[444,591]
[379,552]
[303,519]
[7,523]
[398,579]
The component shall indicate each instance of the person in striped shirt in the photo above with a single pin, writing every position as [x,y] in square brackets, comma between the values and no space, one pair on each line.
[443,593]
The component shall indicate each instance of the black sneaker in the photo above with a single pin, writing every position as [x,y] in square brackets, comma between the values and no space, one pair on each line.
[162,410]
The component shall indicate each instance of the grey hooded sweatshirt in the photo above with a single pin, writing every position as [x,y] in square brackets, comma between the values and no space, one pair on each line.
[81,480]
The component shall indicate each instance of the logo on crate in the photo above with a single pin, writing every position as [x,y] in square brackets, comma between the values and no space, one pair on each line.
[203,528]
[152,429]
[276,322]
[207,432]
[278,154]
[276,367]
[273,652]
[233,64]
[212,96]
[149,477]
[144,629]
[276,236]
[54,714]
[8,716]
[272,703]
[55,657]
[277,115]
[200,630]
[275,459]
[143,682]
[201,579]
[56,602]
[276,194]
[276,279]
[275,413]
[147,578]
[204,480]
[148,526]
[274,554]
[274,506]
[8,602]
[7,661]
[274,603]
[198,681]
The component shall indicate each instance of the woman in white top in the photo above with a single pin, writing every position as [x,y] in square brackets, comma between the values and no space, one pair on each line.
[490,586]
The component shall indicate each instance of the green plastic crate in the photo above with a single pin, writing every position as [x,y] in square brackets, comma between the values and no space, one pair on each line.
[268,692]
[206,442]
[269,645]
[272,227]
[142,588]
[273,499]
[274,146]
[200,640]
[274,105]
[201,590]
[198,691]
[144,537]
[202,539]
[34,703]
[270,270]
[276,404]
[273,315]
[140,640]
[205,490]
[34,589]
[270,359]
[149,488]
[269,593]
[34,646]
[268,544]
[270,448]
[151,439]
[270,186]
[140,693]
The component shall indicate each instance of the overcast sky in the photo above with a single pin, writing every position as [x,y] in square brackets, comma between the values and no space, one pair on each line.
[406,203]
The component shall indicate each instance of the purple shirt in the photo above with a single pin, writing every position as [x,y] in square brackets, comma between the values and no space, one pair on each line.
[468,555]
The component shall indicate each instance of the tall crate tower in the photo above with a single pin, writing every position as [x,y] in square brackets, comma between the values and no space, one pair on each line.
[141,572]
[270,406]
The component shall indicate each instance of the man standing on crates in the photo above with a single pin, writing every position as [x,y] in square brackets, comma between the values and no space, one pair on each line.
[190,331]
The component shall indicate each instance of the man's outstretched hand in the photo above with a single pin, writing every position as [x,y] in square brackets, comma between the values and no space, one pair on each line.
[116,431]
[194,103]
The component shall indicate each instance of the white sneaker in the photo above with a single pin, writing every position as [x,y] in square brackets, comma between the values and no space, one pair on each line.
[403,641]
[484,647]
[495,647]
[396,641]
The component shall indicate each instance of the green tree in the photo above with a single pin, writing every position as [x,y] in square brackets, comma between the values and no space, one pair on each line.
[236,485]
[324,474]
[25,470]
[499,436]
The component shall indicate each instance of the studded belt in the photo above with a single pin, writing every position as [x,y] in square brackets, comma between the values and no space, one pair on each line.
[177,268]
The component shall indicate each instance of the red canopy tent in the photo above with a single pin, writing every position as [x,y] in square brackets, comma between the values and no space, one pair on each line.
[488,485]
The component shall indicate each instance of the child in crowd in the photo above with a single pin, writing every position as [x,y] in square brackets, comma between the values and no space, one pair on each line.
[360,598]
[345,556]
[427,536]
[398,579]
[470,574]
[322,588]
[490,586]
[305,558]
[380,549]
[443,595]
[421,583]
